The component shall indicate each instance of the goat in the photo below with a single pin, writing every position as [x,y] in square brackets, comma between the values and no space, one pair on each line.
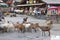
[45,28]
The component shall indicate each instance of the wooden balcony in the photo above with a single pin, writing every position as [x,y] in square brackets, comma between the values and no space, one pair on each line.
[31,4]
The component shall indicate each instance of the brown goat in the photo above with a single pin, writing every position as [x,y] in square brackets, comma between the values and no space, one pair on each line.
[45,28]
[4,29]
[20,27]
[49,22]
[34,26]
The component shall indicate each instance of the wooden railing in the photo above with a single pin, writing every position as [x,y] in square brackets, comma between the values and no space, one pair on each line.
[54,17]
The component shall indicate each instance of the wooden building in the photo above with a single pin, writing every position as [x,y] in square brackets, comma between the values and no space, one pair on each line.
[52,2]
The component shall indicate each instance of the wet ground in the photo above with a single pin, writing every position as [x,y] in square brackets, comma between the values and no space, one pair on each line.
[55,31]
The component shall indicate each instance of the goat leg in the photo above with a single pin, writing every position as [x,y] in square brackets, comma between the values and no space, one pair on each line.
[49,32]
[42,33]
[35,30]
